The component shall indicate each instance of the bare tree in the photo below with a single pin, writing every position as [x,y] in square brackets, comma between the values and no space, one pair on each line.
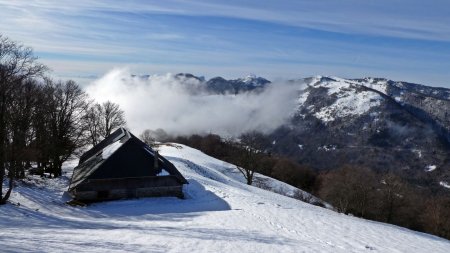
[41,143]
[349,189]
[101,119]
[248,153]
[66,108]
[152,137]
[20,128]
[160,135]
[17,63]
[112,117]
[391,197]
[294,174]
[435,216]
[147,136]
[93,121]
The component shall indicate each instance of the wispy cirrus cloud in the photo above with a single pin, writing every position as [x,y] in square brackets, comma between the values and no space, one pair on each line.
[392,38]
[412,19]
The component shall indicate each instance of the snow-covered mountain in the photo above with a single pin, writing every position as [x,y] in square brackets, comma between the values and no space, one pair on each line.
[220,214]
[371,122]
[220,85]
[358,96]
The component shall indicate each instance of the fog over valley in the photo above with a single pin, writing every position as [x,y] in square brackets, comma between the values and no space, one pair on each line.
[181,106]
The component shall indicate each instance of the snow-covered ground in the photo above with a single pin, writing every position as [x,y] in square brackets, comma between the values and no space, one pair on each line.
[220,214]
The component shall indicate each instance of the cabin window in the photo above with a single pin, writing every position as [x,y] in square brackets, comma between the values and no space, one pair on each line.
[102,194]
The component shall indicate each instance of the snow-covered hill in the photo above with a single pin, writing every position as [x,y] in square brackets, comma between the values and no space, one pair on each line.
[220,214]
[329,122]
[371,122]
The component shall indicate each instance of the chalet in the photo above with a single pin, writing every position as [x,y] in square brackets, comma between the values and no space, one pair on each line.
[122,166]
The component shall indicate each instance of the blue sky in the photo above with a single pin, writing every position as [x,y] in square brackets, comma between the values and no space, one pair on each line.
[400,40]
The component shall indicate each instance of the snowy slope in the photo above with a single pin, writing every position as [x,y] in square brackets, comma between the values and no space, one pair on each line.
[346,98]
[370,122]
[220,214]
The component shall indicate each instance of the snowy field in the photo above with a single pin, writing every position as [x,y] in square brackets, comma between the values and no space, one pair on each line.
[220,214]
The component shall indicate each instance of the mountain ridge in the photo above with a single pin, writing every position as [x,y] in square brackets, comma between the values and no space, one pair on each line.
[369,122]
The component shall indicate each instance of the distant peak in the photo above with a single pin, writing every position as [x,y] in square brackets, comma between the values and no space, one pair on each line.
[189,75]
[253,80]
[249,78]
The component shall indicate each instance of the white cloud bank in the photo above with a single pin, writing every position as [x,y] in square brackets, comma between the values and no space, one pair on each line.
[163,101]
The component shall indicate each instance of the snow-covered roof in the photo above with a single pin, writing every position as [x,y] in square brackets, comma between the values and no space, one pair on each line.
[94,158]
[97,155]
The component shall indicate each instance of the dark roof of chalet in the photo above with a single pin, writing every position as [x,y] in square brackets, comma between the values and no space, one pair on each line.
[92,159]
[119,133]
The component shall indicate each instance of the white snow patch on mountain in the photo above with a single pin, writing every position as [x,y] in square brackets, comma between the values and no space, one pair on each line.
[398,99]
[250,79]
[349,100]
[333,86]
[349,103]
[430,168]
[302,98]
[220,214]
[380,86]
[418,152]
[444,184]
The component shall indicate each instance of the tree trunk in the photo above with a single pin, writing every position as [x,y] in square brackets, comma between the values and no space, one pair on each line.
[249,177]
[8,193]
[2,175]
[57,167]
[2,146]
